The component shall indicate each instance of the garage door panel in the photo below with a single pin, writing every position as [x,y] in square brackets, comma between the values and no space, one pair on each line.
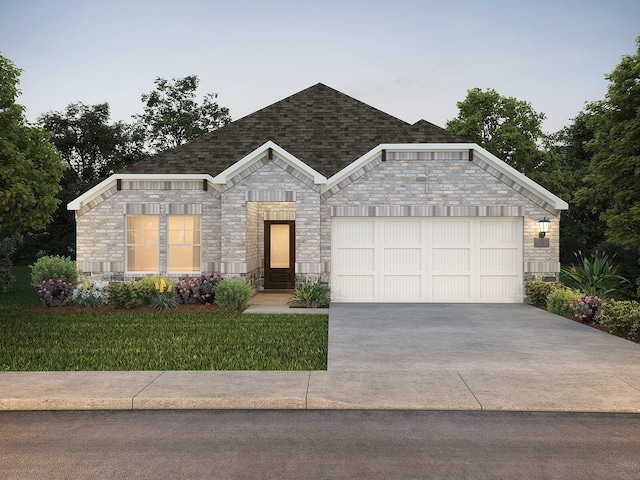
[355,287]
[451,232]
[450,287]
[451,259]
[427,259]
[498,287]
[402,259]
[499,259]
[402,287]
[355,259]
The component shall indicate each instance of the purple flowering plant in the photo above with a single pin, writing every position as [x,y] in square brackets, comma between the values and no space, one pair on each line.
[55,293]
[588,309]
[201,289]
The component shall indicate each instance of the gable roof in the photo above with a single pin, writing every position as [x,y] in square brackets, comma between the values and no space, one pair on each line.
[324,128]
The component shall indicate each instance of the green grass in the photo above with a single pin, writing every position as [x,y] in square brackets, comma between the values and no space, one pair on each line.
[133,340]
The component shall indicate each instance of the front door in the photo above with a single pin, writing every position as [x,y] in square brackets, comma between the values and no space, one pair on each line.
[279,254]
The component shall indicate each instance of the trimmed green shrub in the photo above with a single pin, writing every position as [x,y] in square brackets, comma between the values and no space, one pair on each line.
[147,288]
[54,268]
[311,295]
[233,294]
[596,276]
[123,295]
[560,300]
[622,317]
[538,291]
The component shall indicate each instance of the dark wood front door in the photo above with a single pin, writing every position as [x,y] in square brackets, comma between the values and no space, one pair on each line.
[279,254]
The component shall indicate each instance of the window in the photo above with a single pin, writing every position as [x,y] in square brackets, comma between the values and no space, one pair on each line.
[142,243]
[184,243]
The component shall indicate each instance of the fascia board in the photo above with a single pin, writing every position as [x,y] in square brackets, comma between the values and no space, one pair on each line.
[107,183]
[244,163]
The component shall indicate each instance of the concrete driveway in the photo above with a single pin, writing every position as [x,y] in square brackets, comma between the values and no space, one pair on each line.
[496,357]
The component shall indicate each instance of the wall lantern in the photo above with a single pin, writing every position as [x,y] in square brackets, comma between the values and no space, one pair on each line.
[542,242]
[544,226]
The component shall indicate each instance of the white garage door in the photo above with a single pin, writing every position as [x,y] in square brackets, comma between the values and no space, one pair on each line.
[392,259]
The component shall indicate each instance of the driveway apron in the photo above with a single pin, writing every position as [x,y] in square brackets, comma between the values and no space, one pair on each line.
[418,337]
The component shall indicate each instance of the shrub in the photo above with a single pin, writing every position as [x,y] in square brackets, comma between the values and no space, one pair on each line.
[622,317]
[198,290]
[123,295]
[146,288]
[233,294]
[559,301]
[587,309]
[596,276]
[89,294]
[311,295]
[55,293]
[53,267]
[164,297]
[538,291]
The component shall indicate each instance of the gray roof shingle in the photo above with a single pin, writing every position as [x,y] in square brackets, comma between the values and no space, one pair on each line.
[322,127]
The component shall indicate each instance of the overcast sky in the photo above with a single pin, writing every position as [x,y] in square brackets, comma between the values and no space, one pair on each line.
[411,59]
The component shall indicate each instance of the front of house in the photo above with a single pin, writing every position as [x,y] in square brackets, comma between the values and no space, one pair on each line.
[321,186]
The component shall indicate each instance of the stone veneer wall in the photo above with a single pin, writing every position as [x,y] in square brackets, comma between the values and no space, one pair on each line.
[441,184]
[100,225]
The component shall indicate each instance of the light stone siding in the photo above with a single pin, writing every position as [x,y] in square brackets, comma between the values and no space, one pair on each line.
[440,184]
[101,228]
[404,184]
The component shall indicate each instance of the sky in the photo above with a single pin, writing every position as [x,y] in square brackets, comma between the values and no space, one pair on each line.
[409,58]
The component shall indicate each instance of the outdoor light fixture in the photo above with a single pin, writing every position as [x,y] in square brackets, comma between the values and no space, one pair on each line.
[541,241]
[544,225]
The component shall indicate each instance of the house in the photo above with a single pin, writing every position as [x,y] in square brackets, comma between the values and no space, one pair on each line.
[322,186]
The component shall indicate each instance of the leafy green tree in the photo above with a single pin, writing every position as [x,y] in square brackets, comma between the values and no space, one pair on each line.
[172,116]
[614,179]
[30,172]
[512,130]
[30,166]
[93,147]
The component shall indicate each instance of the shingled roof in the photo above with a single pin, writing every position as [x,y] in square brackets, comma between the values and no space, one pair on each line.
[322,127]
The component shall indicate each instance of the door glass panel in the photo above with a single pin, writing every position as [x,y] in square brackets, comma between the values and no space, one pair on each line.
[279,248]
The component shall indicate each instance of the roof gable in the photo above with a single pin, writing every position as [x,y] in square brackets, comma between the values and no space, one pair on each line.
[324,128]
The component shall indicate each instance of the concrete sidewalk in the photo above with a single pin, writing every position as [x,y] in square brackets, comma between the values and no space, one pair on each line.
[410,357]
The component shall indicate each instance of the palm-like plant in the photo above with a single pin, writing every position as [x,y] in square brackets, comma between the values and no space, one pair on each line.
[594,276]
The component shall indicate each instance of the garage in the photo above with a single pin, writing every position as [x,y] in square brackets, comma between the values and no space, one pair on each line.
[434,259]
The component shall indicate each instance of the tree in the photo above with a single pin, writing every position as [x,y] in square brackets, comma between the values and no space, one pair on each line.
[31,167]
[614,178]
[30,172]
[89,144]
[512,130]
[172,116]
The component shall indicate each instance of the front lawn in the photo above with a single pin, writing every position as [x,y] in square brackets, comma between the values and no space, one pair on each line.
[32,340]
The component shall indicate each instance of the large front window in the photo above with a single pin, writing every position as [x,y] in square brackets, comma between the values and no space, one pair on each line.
[143,243]
[184,243]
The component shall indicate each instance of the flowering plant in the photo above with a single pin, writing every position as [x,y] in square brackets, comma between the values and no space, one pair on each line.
[587,309]
[164,297]
[198,290]
[89,294]
[54,293]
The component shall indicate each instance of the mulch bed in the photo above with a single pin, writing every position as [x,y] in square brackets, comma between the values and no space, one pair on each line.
[188,308]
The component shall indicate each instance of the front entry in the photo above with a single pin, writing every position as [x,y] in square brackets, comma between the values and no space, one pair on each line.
[279,254]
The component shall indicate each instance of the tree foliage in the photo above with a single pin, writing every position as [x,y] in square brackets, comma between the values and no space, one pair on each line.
[614,179]
[512,130]
[30,166]
[89,144]
[172,115]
